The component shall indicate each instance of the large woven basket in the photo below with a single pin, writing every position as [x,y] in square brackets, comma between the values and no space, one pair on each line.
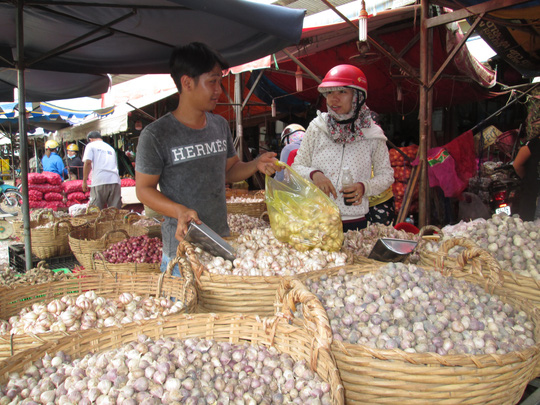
[524,287]
[153,231]
[89,238]
[228,293]
[232,328]
[42,218]
[92,212]
[253,209]
[143,284]
[50,241]
[373,376]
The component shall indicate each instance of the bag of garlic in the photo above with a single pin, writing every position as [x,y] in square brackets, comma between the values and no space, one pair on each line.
[405,334]
[301,214]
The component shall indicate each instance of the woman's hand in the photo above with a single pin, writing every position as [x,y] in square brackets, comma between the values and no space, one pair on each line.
[324,183]
[354,193]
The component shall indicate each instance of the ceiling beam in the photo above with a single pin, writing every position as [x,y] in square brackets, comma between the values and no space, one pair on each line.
[463,13]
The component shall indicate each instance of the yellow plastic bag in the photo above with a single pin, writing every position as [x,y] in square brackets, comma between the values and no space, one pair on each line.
[301,214]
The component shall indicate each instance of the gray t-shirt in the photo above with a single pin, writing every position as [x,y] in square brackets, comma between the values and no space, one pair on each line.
[191,164]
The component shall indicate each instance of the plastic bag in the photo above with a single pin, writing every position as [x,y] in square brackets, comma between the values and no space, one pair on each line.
[301,214]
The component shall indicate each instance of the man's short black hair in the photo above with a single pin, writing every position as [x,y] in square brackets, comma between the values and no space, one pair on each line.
[194,60]
[93,135]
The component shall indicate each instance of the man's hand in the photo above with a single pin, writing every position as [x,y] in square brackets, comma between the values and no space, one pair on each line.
[266,163]
[84,186]
[321,181]
[185,216]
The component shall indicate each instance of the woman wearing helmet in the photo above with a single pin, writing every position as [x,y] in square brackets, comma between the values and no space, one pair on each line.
[75,164]
[51,161]
[346,136]
[291,137]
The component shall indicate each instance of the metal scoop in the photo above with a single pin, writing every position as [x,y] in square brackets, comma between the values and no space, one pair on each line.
[392,250]
[209,241]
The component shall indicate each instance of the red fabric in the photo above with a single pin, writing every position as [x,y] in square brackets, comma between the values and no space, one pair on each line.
[462,150]
[291,157]
[444,175]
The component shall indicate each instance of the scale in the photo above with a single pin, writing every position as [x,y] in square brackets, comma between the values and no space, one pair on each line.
[203,236]
[6,227]
[392,250]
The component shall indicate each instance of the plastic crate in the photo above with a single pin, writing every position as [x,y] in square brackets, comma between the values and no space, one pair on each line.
[17,258]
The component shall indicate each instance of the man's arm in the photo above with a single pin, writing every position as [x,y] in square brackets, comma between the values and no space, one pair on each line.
[519,162]
[238,171]
[148,194]
[86,172]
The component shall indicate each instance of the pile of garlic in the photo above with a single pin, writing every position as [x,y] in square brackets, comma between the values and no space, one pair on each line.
[259,253]
[240,223]
[72,313]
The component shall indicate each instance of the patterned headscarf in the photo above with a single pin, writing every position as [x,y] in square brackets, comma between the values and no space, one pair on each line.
[346,128]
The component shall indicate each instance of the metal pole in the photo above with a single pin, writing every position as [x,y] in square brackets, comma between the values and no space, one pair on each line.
[23,152]
[238,113]
[423,116]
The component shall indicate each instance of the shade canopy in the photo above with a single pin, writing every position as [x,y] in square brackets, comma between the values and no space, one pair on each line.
[137,36]
[43,85]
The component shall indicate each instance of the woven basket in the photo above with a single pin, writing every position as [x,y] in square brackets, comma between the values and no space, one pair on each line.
[524,287]
[51,241]
[373,376]
[143,284]
[228,293]
[90,238]
[253,209]
[232,328]
[153,231]
[487,271]
[92,212]
[99,264]
[42,218]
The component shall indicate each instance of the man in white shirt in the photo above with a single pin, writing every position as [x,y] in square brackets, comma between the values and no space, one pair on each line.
[100,158]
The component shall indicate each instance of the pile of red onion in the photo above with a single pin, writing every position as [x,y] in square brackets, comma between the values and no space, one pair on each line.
[137,249]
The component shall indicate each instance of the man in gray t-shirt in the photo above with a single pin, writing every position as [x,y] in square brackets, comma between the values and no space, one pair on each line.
[190,154]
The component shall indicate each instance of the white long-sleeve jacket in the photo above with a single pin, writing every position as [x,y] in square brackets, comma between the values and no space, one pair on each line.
[318,151]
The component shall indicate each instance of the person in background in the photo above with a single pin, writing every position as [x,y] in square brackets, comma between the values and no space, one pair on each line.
[346,136]
[74,171]
[100,158]
[381,206]
[527,166]
[34,164]
[190,153]
[51,161]
[291,138]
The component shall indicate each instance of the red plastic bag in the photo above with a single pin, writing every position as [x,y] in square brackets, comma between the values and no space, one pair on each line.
[53,197]
[52,178]
[36,178]
[72,186]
